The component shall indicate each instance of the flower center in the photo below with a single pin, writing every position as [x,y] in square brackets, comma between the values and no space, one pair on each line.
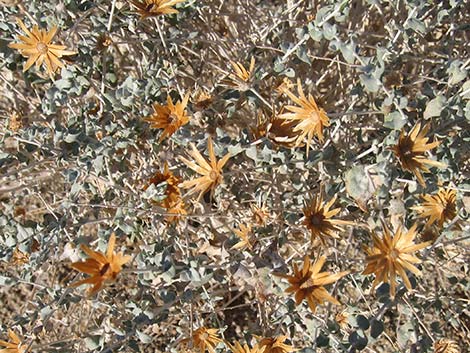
[104,269]
[316,219]
[314,117]
[172,118]
[213,175]
[394,254]
[41,47]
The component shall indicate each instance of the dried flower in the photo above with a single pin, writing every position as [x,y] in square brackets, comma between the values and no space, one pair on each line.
[238,348]
[15,121]
[14,346]
[275,345]
[318,218]
[307,283]
[392,256]
[285,85]
[202,99]
[445,345]
[19,258]
[169,117]
[211,171]
[245,237]
[101,267]
[309,117]
[38,49]
[103,42]
[240,77]
[173,201]
[439,208]
[175,212]
[261,214]
[410,151]
[172,191]
[278,131]
[202,339]
[153,8]
[342,318]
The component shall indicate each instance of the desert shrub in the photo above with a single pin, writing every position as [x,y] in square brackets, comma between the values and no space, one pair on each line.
[216,175]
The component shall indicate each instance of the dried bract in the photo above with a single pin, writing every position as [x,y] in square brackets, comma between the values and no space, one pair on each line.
[445,345]
[318,219]
[203,339]
[275,345]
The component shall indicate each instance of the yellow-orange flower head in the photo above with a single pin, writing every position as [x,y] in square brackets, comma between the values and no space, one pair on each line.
[153,8]
[309,117]
[275,345]
[319,219]
[211,171]
[307,283]
[169,117]
[37,47]
[101,267]
[238,348]
[390,257]
[439,208]
[410,151]
[203,339]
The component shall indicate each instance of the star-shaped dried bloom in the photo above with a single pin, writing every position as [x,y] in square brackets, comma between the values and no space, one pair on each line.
[392,256]
[238,348]
[410,151]
[169,117]
[203,339]
[245,236]
[153,8]
[211,171]
[439,208]
[37,47]
[342,318]
[445,345]
[318,219]
[101,267]
[275,345]
[14,345]
[307,283]
[261,214]
[309,117]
